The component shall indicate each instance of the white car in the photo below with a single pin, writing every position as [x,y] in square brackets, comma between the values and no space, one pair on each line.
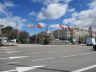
[90,41]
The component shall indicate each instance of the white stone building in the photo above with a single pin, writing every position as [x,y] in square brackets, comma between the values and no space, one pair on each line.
[65,34]
[3,38]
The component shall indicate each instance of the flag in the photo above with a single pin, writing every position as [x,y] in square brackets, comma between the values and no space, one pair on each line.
[39,26]
[69,28]
[61,26]
[30,25]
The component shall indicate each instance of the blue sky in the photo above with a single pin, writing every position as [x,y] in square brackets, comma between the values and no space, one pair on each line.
[52,12]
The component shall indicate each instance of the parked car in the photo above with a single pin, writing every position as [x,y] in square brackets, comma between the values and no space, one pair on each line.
[94,47]
[90,41]
[3,40]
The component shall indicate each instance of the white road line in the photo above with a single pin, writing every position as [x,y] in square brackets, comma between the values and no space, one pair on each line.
[3,47]
[55,51]
[9,70]
[87,53]
[43,59]
[2,52]
[69,56]
[85,69]
[23,69]
[34,53]
[8,49]
[13,62]
[65,56]
[10,52]
[13,52]
[3,58]
[65,51]
[16,57]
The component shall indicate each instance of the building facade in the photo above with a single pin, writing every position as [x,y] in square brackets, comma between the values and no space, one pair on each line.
[76,34]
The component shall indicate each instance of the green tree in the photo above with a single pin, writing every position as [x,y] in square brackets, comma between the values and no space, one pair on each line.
[7,31]
[13,34]
[23,36]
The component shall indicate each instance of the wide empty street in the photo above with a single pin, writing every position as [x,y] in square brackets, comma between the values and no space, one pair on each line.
[47,58]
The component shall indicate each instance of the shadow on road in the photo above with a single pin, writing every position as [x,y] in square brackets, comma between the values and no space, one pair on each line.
[54,69]
[17,65]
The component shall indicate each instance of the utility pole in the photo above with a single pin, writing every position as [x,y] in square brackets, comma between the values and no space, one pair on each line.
[90,32]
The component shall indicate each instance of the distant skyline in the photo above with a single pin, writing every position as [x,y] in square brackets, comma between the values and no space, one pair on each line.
[74,13]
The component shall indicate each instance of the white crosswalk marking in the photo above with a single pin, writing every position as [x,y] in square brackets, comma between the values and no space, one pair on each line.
[16,57]
[23,69]
[13,62]
[85,69]
[9,70]
[13,52]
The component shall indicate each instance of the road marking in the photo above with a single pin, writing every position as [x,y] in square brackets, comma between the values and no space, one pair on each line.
[3,47]
[87,53]
[8,49]
[65,51]
[85,69]
[16,57]
[9,70]
[13,62]
[43,59]
[55,51]
[10,52]
[13,52]
[34,53]
[3,58]
[68,56]
[2,52]
[65,56]
[22,69]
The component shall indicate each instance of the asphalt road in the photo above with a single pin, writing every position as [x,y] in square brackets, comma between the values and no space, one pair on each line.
[48,58]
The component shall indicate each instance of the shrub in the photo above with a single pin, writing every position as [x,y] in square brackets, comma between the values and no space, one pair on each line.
[45,41]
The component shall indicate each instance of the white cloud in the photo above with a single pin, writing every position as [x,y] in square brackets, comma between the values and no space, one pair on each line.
[40,16]
[92,4]
[12,21]
[47,2]
[71,10]
[55,26]
[9,4]
[83,19]
[33,13]
[8,19]
[53,11]
[69,20]
[4,8]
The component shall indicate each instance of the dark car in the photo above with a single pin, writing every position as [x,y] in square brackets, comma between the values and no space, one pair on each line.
[94,47]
